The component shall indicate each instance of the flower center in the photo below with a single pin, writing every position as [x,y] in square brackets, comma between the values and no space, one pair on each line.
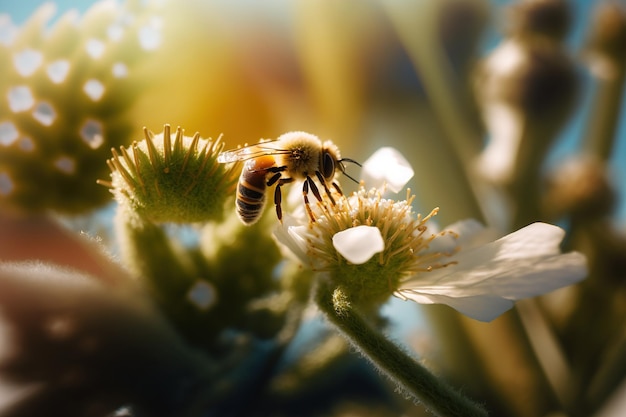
[406,236]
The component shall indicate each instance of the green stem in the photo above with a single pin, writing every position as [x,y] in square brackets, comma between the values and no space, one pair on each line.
[400,367]
[150,256]
[605,115]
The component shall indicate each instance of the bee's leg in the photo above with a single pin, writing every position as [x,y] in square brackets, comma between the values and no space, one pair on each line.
[273,179]
[314,189]
[278,196]
[323,182]
[305,194]
[277,200]
[336,186]
[273,170]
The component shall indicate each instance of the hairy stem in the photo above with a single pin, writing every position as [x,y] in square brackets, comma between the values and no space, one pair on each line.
[399,366]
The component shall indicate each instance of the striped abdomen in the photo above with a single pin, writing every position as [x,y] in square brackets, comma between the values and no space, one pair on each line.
[251,188]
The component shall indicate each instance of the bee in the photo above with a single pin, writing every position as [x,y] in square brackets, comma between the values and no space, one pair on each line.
[293,156]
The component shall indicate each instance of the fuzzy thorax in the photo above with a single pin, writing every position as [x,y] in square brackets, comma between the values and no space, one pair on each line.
[305,156]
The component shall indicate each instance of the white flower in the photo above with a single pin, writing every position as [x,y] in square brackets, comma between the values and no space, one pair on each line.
[316,244]
[484,281]
[461,266]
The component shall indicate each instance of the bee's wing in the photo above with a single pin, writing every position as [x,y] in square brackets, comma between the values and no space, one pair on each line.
[249,152]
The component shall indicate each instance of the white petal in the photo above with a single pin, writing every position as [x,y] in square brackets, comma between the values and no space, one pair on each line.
[480,307]
[529,278]
[359,244]
[533,241]
[465,234]
[523,264]
[487,299]
[289,233]
[537,239]
[387,167]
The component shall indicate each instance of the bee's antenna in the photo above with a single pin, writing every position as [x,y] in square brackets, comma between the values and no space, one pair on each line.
[350,160]
[342,167]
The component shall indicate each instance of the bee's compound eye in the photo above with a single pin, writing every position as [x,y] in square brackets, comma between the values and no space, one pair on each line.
[328,166]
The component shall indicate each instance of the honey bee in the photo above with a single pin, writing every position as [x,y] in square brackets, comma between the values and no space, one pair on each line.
[293,156]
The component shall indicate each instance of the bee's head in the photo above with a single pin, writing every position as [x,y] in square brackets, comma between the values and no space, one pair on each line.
[331,160]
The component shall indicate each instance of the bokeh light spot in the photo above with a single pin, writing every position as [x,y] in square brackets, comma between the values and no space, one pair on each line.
[202,295]
[120,70]
[58,70]
[44,114]
[94,89]
[20,98]
[8,133]
[65,164]
[27,61]
[92,135]
[7,30]
[150,37]
[115,32]
[26,144]
[95,48]
[6,184]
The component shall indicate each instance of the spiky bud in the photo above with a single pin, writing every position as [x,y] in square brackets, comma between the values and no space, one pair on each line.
[172,177]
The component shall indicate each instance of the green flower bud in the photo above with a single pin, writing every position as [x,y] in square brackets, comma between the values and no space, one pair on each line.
[172,178]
